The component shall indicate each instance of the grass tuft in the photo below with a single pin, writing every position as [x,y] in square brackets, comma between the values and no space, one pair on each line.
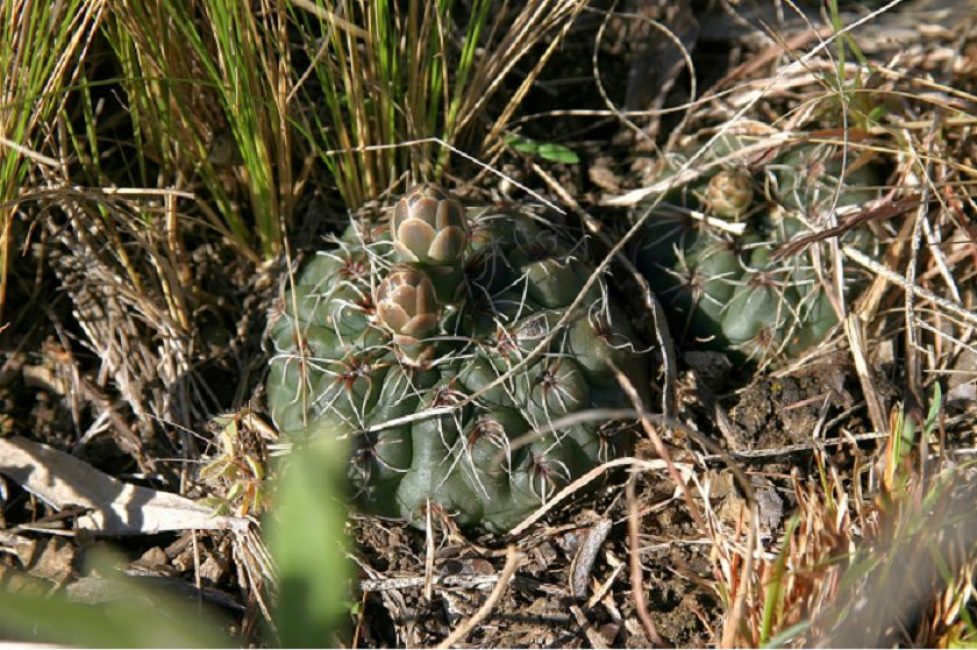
[392,73]
[206,89]
[40,42]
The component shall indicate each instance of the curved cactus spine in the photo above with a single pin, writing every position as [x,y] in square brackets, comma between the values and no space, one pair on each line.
[388,337]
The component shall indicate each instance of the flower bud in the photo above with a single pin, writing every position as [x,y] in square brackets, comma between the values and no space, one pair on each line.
[406,305]
[429,226]
[730,194]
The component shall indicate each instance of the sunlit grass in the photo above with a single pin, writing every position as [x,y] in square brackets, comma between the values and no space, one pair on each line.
[40,42]
[240,104]
[392,73]
[206,87]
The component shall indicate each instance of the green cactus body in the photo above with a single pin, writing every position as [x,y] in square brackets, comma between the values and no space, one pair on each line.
[388,325]
[721,290]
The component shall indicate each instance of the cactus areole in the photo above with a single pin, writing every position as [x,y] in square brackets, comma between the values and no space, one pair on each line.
[413,342]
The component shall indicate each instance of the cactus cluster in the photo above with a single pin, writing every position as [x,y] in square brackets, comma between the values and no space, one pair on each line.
[722,289]
[395,337]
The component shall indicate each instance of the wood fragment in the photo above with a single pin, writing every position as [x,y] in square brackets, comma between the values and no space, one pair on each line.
[586,555]
[856,343]
[513,558]
[117,508]
[593,636]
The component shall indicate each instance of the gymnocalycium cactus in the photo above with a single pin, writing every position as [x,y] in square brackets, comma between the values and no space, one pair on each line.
[394,337]
[721,289]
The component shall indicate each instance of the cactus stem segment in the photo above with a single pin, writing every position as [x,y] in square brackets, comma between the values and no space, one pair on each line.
[388,327]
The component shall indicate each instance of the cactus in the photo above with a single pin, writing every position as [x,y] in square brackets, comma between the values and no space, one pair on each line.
[394,337]
[722,290]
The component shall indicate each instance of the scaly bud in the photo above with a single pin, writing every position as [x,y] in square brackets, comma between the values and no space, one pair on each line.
[730,194]
[406,305]
[429,227]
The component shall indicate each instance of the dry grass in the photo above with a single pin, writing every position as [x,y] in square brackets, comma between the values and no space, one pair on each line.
[206,88]
[867,556]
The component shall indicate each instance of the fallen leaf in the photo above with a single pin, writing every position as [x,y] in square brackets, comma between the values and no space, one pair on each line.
[117,508]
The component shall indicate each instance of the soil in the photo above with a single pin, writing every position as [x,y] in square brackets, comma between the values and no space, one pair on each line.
[784,410]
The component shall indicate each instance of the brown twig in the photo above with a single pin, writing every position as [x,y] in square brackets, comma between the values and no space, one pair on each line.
[659,444]
[578,484]
[637,581]
[595,638]
[888,210]
[946,305]
[856,343]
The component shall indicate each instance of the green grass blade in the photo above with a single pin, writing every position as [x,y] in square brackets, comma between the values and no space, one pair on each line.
[308,541]
[774,591]
[137,618]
